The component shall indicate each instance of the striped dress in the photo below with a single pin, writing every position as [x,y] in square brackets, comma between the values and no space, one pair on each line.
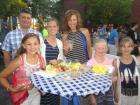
[78,51]
[51,53]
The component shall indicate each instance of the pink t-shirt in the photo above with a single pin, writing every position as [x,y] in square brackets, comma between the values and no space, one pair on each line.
[107,61]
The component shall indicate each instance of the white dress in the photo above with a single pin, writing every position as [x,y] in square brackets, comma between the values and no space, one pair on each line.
[34,95]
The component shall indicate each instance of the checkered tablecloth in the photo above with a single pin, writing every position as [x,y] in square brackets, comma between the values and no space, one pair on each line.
[87,83]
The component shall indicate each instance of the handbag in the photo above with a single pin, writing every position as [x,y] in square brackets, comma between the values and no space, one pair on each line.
[19,78]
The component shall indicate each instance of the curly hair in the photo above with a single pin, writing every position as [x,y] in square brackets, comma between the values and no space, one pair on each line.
[67,17]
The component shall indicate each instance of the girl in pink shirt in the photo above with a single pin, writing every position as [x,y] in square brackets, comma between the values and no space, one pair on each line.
[100,57]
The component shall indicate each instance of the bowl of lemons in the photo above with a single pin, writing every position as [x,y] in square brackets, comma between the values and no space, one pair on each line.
[99,69]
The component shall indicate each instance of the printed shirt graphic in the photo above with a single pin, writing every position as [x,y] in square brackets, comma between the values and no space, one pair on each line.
[128,76]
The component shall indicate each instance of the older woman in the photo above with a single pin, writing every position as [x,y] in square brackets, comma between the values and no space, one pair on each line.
[53,52]
[100,57]
[76,40]
[79,38]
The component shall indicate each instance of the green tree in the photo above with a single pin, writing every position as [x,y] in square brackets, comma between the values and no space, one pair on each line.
[16,7]
[4,7]
[46,8]
[11,7]
[107,11]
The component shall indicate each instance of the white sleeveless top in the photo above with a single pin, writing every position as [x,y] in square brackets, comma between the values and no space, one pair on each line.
[30,68]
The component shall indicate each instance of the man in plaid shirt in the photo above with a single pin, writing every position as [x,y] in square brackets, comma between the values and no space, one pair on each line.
[13,39]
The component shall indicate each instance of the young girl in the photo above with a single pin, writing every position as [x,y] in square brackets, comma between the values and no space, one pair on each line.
[27,61]
[126,89]
[100,57]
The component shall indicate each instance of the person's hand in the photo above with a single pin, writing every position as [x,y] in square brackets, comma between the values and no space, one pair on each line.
[66,49]
[65,43]
[53,62]
[116,98]
[17,88]
[135,45]
[29,86]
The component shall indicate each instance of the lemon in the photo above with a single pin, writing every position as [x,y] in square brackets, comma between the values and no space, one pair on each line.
[75,65]
[99,69]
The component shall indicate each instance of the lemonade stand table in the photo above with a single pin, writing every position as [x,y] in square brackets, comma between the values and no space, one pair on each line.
[87,83]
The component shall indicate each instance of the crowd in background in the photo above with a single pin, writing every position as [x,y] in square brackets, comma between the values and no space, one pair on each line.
[104,31]
[114,33]
[74,43]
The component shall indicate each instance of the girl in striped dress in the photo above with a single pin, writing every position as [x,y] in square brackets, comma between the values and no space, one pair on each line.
[53,53]
[81,44]
[76,40]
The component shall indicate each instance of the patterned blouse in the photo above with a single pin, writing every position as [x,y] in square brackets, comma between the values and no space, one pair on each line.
[129,81]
